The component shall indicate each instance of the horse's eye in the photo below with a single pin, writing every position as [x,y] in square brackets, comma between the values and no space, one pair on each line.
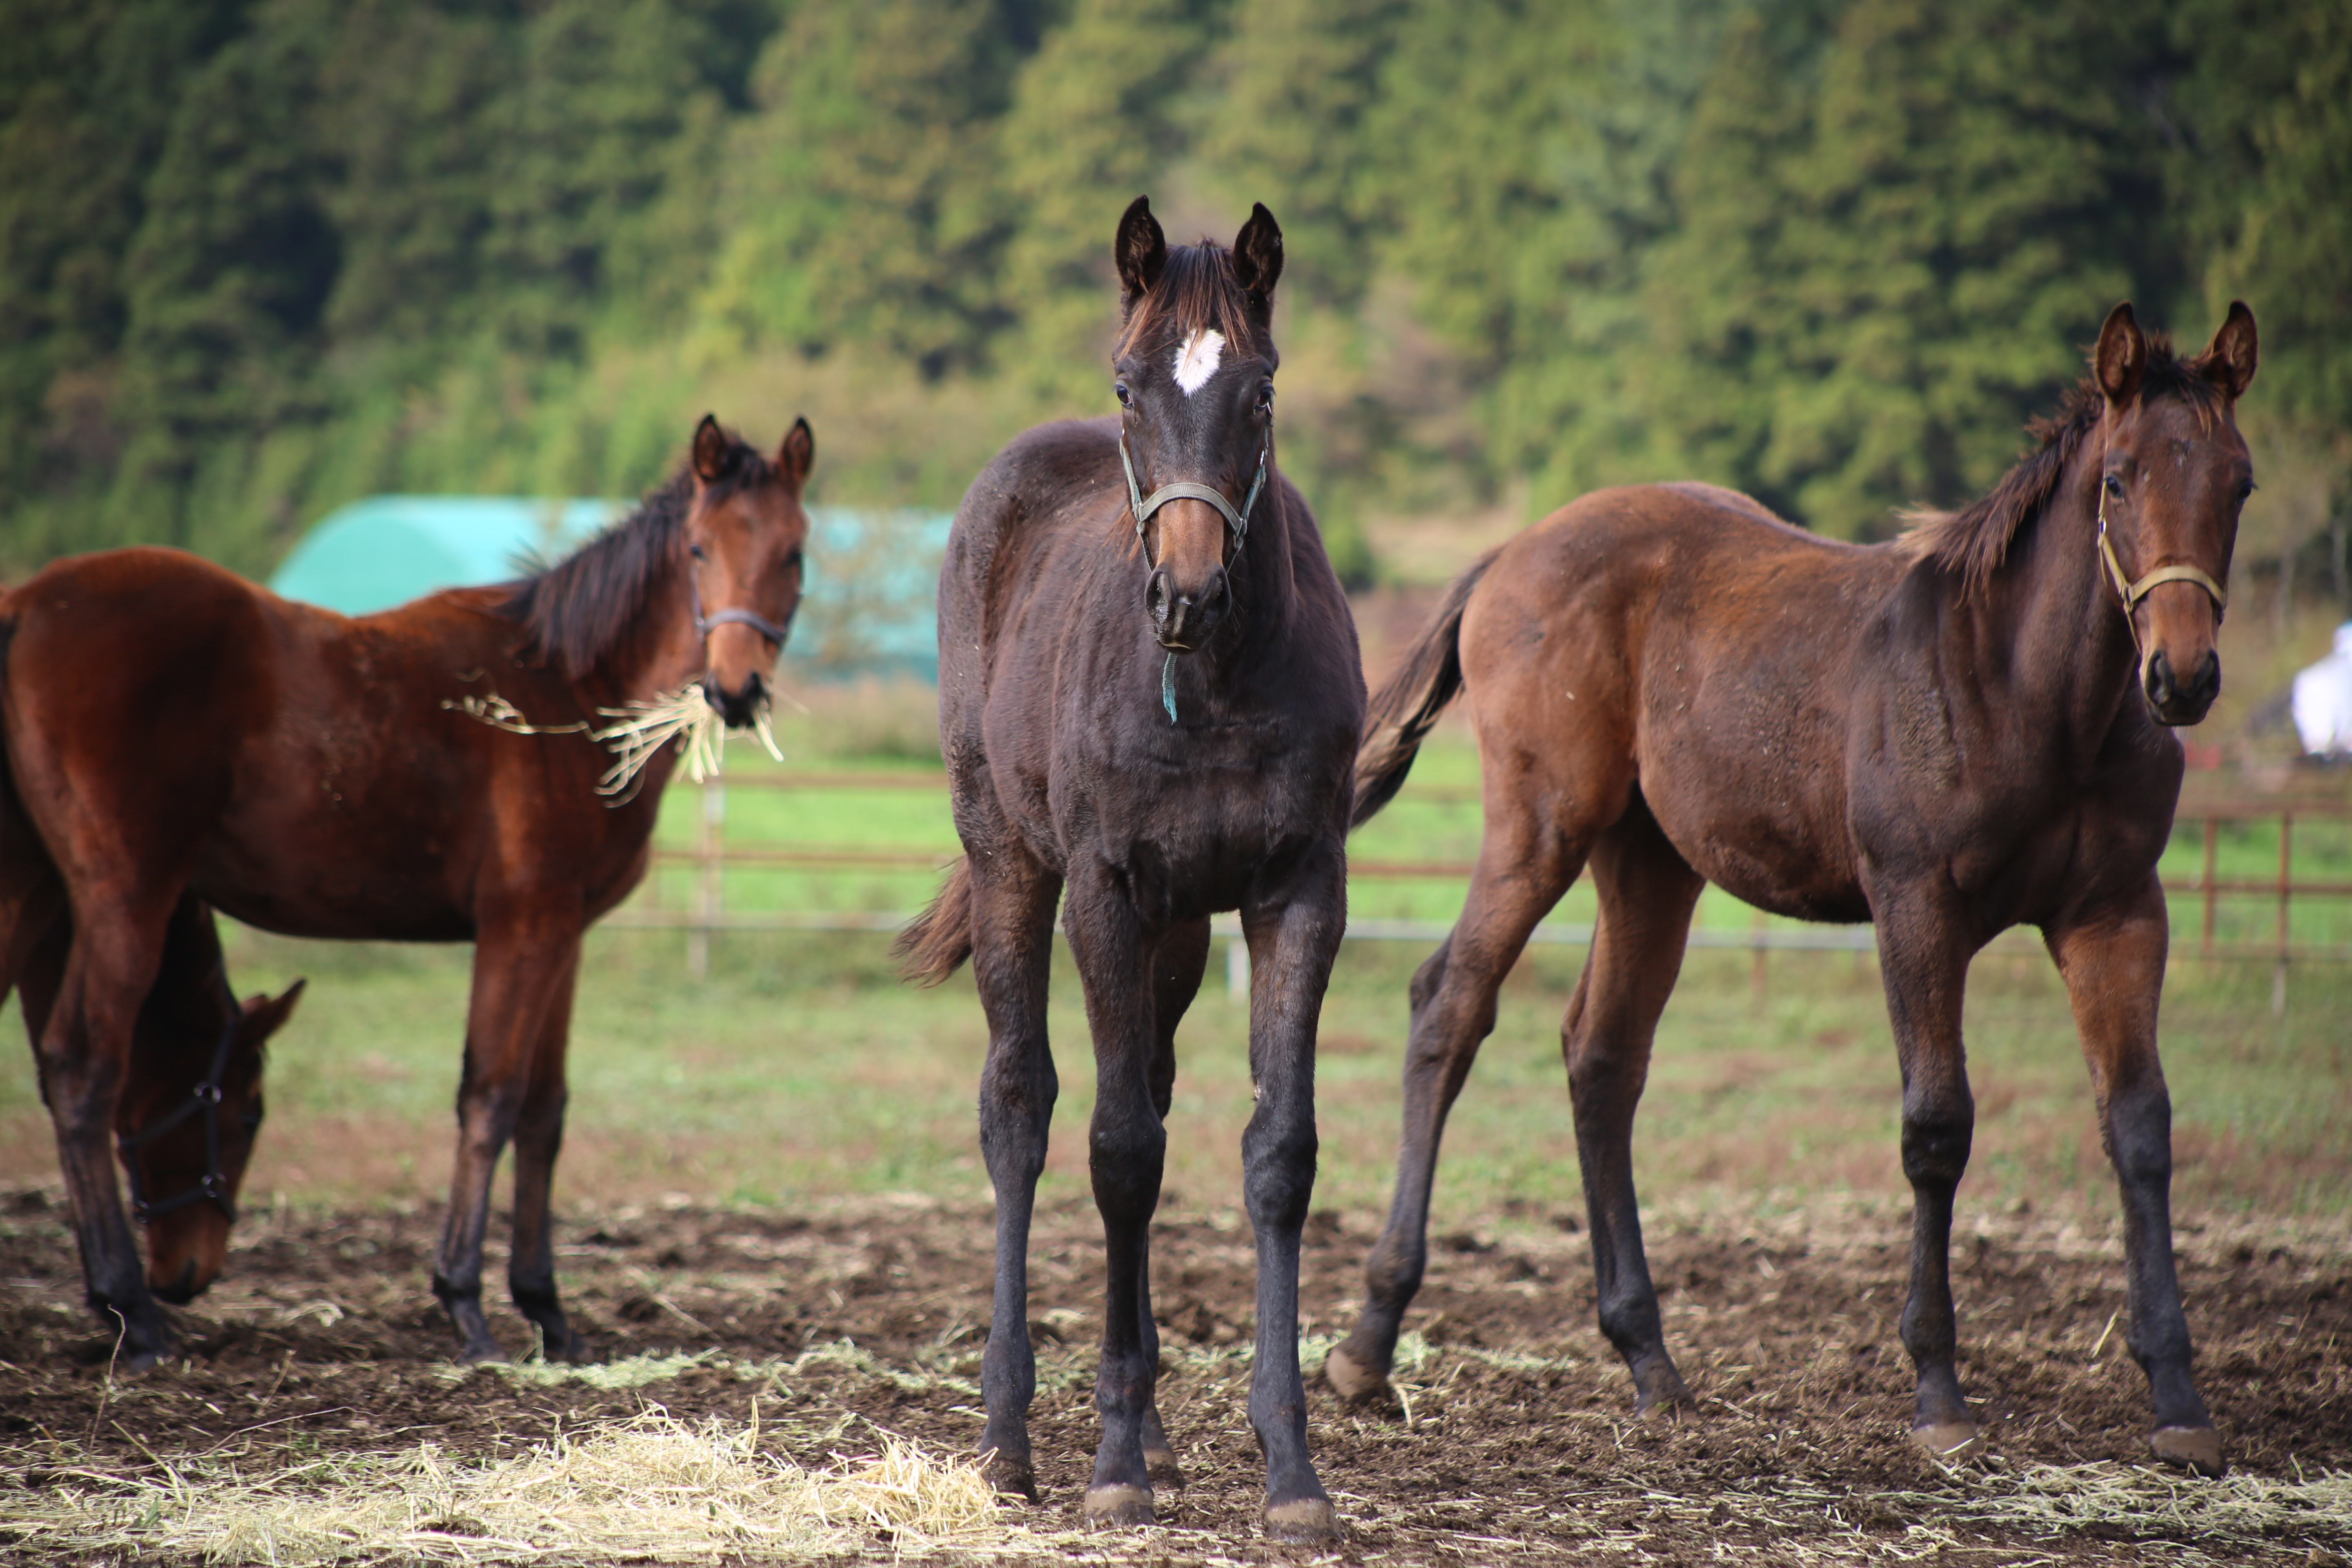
[1126,398]
[793,563]
[2246,490]
[694,551]
[2114,487]
[1265,396]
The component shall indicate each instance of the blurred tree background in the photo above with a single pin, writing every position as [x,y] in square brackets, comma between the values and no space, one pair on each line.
[260,257]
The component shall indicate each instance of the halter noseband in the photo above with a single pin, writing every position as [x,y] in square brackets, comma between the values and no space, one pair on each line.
[757,622]
[205,1097]
[2131,593]
[1141,508]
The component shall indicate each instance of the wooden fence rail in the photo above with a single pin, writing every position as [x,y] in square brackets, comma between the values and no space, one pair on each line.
[711,855]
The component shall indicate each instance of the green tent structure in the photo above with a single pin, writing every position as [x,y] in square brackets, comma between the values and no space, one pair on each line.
[869,597]
[387,549]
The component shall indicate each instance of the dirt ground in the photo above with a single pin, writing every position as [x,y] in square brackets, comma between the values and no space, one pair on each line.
[1517,1443]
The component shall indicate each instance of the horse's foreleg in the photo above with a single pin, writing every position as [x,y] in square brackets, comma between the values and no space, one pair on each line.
[1126,1149]
[2113,960]
[538,1138]
[1294,930]
[1176,971]
[516,967]
[1522,872]
[85,1051]
[1922,957]
[1012,937]
[1647,893]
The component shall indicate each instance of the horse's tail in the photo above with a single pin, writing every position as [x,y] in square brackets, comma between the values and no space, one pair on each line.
[1406,708]
[939,940]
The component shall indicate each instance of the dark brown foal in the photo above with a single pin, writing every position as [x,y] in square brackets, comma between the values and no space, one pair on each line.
[1949,735]
[1150,703]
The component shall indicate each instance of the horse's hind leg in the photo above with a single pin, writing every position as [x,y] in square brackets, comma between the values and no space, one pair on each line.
[1176,971]
[1012,951]
[517,965]
[2113,960]
[1647,893]
[1524,866]
[538,1139]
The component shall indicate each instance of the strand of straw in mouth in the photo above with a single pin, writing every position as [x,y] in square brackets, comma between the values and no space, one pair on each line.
[641,730]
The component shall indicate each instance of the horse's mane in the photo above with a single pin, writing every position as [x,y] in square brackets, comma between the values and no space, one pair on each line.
[1196,291]
[1972,542]
[582,610]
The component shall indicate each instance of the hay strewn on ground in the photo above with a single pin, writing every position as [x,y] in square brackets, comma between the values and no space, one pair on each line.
[652,1489]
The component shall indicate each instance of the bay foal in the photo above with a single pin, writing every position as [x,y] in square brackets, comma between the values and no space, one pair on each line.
[1948,735]
[173,729]
[1149,710]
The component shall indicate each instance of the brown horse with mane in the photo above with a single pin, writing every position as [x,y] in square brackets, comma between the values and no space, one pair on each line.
[1949,735]
[1149,705]
[174,731]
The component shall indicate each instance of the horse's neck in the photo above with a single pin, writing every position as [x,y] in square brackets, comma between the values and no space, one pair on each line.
[1264,584]
[658,656]
[2072,662]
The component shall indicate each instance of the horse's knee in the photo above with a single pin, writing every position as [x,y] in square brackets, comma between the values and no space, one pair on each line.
[2139,1133]
[1935,1139]
[1126,1157]
[1279,1178]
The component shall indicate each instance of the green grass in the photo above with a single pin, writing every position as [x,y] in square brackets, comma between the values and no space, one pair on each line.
[800,1066]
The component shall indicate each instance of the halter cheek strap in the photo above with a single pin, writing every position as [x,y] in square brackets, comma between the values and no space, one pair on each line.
[204,1099]
[758,623]
[2131,593]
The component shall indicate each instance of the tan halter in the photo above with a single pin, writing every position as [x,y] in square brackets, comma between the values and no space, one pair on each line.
[2132,592]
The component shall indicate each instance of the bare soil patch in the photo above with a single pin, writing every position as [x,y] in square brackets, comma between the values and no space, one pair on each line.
[855,1319]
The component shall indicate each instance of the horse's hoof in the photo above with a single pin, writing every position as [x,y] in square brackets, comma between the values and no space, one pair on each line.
[2196,1448]
[1950,1441]
[1009,1476]
[1116,1507]
[1354,1381]
[1668,1400]
[1163,1468]
[1305,1521]
[484,1352]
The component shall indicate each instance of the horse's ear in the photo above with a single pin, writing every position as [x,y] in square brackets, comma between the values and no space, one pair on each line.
[710,452]
[2229,360]
[796,453]
[2121,358]
[1257,256]
[1141,251]
[265,1016]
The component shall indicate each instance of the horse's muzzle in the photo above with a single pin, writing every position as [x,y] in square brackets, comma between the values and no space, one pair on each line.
[2175,701]
[1183,620]
[738,708]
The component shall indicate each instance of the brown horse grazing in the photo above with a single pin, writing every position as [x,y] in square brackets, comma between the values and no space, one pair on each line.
[190,1101]
[1153,705]
[172,728]
[1948,735]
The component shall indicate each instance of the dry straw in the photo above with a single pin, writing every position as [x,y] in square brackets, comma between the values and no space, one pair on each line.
[653,1489]
[642,728]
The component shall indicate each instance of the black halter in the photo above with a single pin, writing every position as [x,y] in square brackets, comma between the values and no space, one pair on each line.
[758,623]
[205,1097]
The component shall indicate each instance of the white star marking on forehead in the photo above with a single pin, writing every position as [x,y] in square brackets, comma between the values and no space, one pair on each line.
[1196,361]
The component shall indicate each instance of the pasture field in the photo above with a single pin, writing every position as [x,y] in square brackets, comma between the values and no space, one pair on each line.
[775,1222]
